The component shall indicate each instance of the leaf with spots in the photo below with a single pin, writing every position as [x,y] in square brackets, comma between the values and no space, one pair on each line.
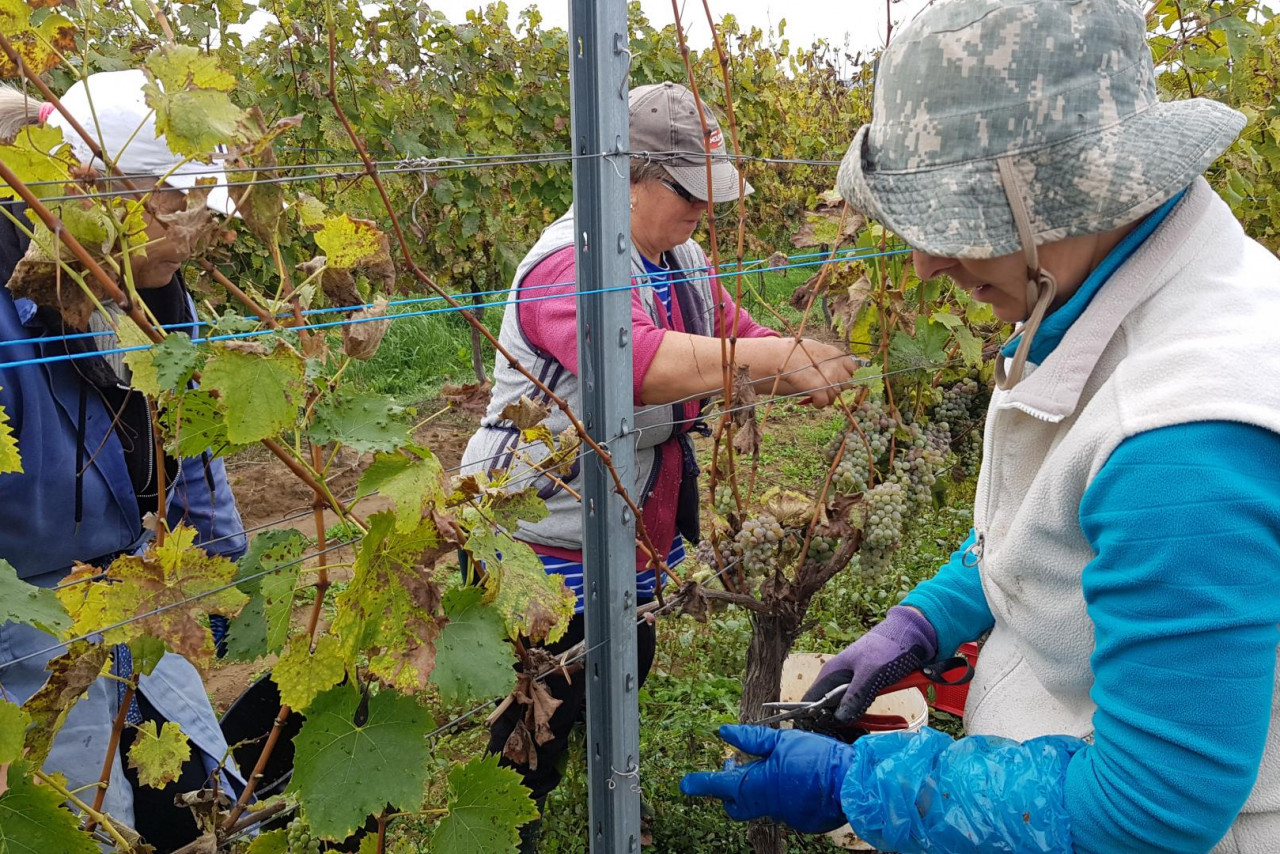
[365,421]
[263,626]
[157,753]
[32,819]
[487,804]
[181,67]
[166,592]
[258,389]
[344,771]
[473,657]
[391,609]
[40,46]
[532,602]
[194,121]
[348,242]
[70,675]
[25,603]
[193,423]
[175,361]
[10,459]
[302,674]
[413,479]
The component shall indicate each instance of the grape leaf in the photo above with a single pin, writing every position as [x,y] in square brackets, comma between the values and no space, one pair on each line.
[155,592]
[193,424]
[272,842]
[924,351]
[146,652]
[533,603]
[364,421]
[182,66]
[507,508]
[141,363]
[70,675]
[302,674]
[348,242]
[263,626]
[412,482]
[25,603]
[32,819]
[194,121]
[344,772]
[525,413]
[10,459]
[473,657]
[157,754]
[257,390]
[13,731]
[175,359]
[390,609]
[39,46]
[487,804]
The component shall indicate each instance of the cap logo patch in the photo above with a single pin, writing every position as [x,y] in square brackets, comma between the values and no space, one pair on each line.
[715,140]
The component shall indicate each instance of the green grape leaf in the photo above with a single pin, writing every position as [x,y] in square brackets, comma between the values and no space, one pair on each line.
[487,804]
[70,675]
[364,421]
[344,771]
[28,154]
[473,657]
[146,652]
[412,482]
[533,602]
[508,508]
[141,363]
[14,721]
[89,223]
[263,626]
[348,242]
[193,423]
[258,390]
[195,121]
[273,842]
[182,67]
[310,211]
[302,675]
[32,819]
[10,459]
[390,610]
[926,351]
[157,754]
[175,359]
[155,592]
[25,603]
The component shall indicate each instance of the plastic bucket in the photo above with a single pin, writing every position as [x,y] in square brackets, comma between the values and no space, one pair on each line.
[798,673]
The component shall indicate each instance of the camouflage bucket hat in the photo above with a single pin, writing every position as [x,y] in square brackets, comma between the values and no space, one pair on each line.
[1061,91]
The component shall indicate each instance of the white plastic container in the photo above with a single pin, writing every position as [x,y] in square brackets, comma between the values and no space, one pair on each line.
[799,672]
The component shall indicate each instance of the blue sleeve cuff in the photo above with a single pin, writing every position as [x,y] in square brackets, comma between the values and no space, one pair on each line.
[953,601]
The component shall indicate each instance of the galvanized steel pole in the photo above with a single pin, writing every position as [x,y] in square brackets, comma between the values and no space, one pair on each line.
[599,65]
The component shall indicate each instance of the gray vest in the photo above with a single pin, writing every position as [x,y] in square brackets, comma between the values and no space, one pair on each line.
[497,446]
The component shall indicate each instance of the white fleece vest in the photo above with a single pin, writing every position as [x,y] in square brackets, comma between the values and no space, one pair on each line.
[1188,329]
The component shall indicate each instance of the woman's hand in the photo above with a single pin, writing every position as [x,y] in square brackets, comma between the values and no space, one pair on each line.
[806,365]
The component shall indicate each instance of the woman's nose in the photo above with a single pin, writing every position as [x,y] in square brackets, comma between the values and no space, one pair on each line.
[928,266]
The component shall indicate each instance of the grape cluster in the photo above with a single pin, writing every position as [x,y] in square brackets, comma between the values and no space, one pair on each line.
[758,541]
[723,502]
[851,474]
[298,839]
[968,456]
[962,405]
[886,508]
[821,548]
[915,465]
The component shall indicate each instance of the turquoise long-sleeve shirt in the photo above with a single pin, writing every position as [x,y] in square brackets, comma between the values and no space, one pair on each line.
[1184,595]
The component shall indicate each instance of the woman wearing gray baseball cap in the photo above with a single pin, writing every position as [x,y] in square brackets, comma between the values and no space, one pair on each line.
[679,312]
[1126,544]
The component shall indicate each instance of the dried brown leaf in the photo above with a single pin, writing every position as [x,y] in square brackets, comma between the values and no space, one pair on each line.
[472,398]
[362,337]
[525,413]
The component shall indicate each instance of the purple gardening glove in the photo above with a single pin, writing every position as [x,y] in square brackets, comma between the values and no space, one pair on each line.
[897,646]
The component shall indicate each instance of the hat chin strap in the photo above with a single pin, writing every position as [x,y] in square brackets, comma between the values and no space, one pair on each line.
[1041,286]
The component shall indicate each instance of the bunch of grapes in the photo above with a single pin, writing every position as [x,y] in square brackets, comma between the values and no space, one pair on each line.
[298,839]
[852,472]
[886,508]
[914,467]
[724,503]
[821,548]
[968,456]
[758,541]
[962,405]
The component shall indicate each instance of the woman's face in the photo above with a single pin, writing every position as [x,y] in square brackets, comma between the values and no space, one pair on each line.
[660,218]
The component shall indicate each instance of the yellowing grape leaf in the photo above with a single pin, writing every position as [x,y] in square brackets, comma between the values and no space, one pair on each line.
[344,771]
[194,121]
[141,362]
[391,609]
[274,842]
[365,421]
[156,592]
[28,155]
[183,67]
[10,459]
[348,242]
[302,674]
[32,819]
[157,754]
[70,675]
[473,658]
[13,731]
[413,482]
[25,603]
[487,804]
[533,603]
[258,391]
[525,414]
[39,46]
[263,626]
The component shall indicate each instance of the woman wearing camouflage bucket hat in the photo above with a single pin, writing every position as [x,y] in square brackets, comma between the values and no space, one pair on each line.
[1127,522]
[679,312]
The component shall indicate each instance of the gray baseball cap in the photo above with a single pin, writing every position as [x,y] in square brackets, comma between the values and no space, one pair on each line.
[665,128]
[1063,91]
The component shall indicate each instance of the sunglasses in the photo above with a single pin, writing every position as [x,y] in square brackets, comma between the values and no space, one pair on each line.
[687,197]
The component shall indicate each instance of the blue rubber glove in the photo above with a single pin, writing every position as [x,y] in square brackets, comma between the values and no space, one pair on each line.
[796,780]
[898,645]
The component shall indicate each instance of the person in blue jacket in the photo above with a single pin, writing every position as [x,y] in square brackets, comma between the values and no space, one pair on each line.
[1124,563]
[90,468]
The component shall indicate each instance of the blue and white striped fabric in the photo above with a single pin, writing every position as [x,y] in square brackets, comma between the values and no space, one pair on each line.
[660,279]
[646,581]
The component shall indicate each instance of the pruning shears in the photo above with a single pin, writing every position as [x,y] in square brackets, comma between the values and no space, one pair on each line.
[819,715]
